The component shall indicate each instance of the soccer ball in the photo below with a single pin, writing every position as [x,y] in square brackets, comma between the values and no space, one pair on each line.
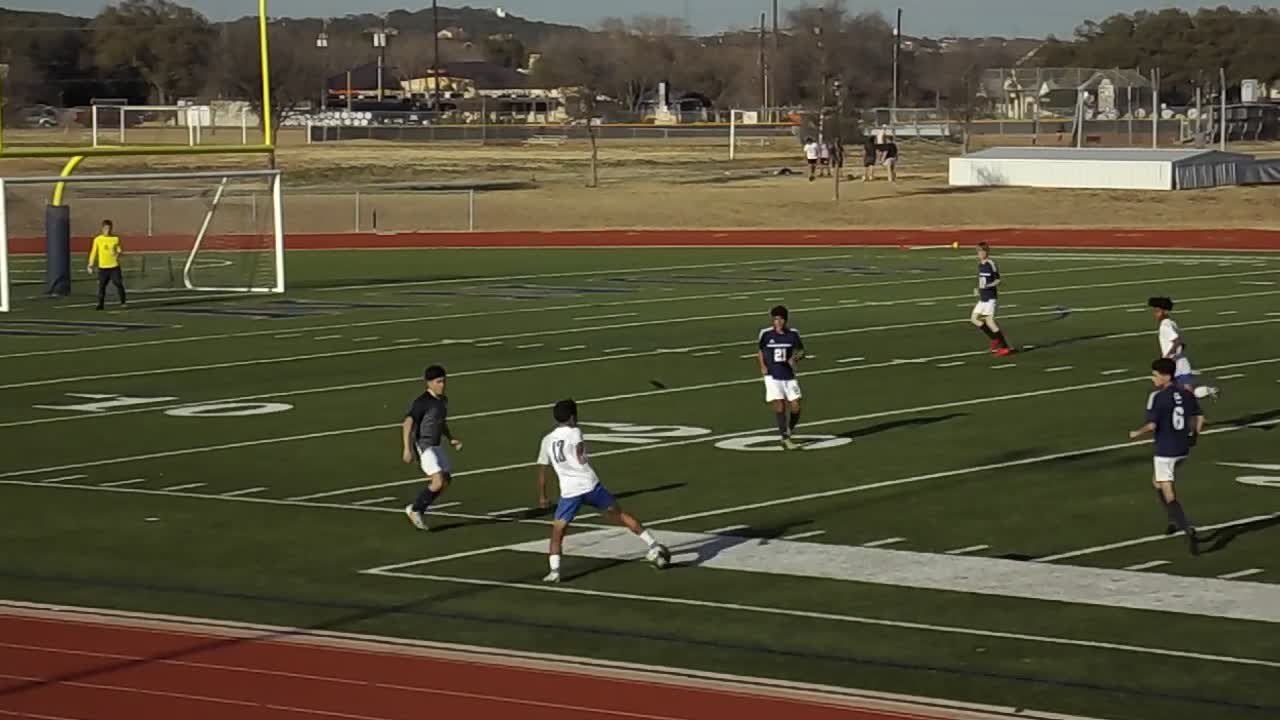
[659,556]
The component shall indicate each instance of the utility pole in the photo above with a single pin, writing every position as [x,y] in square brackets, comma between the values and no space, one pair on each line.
[381,37]
[822,63]
[764,67]
[435,57]
[837,153]
[773,81]
[897,51]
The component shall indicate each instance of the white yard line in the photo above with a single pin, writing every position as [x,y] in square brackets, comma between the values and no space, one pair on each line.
[882,543]
[708,353]
[569,348]
[246,491]
[1060,368]
[407,341]
[955,363]
[488,344]
[374,501]
[1148,565]
[541,310]
[1157,538]
[969,549]
[613,316]
[616,350]
[530,346]
[327,337]
[1233,376]
[180,488]
[1241,574]
[842,360]
[64,478]
[1004,366]
[122,483]
[728,529]
[1117,371]
[805,535]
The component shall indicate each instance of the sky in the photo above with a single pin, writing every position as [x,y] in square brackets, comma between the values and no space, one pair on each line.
[933,18]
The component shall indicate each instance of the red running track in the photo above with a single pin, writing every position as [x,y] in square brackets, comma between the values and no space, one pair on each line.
[63,666]
[1056,238]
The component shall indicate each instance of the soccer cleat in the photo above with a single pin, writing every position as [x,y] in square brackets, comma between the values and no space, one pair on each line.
[417,518]
[995,345]
[552,577]
[1003,352]
[659,556]
[1170,529]
[789,444]
[1193,542]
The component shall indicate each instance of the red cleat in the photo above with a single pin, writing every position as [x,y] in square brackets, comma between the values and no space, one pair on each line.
[995,345]
[1002,352]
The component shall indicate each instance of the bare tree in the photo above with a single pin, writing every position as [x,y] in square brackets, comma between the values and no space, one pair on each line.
[167,44]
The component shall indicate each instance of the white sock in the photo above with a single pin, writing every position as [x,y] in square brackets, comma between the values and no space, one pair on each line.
[555,563]
[1203,392]
[648,538]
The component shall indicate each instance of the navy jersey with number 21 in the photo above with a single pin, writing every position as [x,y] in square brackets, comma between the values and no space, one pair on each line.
[778,349]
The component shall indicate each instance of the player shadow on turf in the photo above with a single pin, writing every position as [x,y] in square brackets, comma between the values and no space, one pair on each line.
[897,424]
[1259,417]
[1219,539]
[1063,342]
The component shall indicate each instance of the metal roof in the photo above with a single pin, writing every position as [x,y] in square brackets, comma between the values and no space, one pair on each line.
[1106,154]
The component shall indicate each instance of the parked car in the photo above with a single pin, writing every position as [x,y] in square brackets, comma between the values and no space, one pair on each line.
[38,116]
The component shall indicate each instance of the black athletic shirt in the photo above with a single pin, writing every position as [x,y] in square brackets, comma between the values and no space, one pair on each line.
[430,421]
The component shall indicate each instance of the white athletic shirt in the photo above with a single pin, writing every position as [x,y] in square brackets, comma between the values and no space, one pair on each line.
[811,151]
[1168,333]
[560,451]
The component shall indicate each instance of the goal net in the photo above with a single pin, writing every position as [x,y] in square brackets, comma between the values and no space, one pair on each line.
[181,233]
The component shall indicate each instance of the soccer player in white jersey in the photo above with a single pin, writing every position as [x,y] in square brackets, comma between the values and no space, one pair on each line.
[565,451]
[1174,347]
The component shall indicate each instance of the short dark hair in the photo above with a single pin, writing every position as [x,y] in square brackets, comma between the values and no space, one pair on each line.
[108,224]
[1165,366]
[1160,303]
[984,246]
[435,372]
[779,311]
[564,411]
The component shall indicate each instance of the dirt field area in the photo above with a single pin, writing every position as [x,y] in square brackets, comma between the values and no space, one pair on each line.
[368,185]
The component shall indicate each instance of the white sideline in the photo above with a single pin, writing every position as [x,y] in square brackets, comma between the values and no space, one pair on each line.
[541,309]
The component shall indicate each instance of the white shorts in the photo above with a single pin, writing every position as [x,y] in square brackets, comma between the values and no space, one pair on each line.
[890,162]
[788,390]
[985,308]
[1183,367]
[434,460]
[1166,468]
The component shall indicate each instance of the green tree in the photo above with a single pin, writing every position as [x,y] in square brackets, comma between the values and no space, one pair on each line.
[166,44]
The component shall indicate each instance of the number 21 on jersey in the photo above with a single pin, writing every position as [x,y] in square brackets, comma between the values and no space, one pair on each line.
[780,355]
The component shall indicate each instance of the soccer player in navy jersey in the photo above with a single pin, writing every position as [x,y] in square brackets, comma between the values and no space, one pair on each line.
[1173,415]
[984,313]
[780,350]
[425,425]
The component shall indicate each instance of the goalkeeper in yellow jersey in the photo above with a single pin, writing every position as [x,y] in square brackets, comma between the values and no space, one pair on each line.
[105,257]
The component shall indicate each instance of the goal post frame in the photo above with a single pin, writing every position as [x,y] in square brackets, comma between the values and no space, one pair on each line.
[277,237]
[275,178]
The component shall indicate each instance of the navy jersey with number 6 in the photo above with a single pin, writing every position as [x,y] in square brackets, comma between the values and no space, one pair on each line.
[987,274]
[1174,412]
[778,349]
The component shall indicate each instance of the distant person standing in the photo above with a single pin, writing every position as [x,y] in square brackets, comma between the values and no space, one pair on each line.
[811,154]
[824,158]
[104,256]
[890,154]
[870,156]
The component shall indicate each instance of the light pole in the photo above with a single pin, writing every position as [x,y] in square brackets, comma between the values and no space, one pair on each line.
[322,45]
[837,153]
[381,38]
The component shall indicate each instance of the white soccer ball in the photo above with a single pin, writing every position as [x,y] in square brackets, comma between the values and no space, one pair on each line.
[659,556]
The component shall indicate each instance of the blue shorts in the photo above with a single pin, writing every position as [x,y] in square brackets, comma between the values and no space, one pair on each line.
[1185,380]
[599,498]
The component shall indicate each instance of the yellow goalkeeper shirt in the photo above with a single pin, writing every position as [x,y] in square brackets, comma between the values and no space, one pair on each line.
[106,251]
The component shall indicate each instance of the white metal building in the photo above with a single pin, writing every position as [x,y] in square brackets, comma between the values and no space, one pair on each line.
[1100,168]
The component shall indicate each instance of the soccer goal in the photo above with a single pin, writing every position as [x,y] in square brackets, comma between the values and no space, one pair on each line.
[182,232]
[160,125]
